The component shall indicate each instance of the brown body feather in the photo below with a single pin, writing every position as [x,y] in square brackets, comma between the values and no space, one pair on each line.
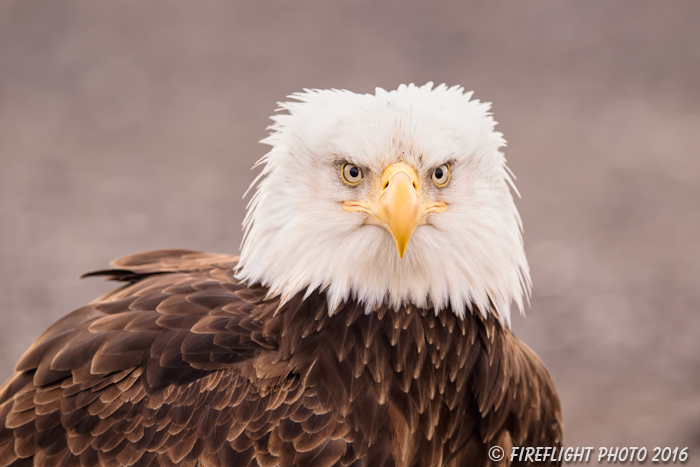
[186,366]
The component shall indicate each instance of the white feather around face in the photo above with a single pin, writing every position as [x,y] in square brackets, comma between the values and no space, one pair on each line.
[298,236]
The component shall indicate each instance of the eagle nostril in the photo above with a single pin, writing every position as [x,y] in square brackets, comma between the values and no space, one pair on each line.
[386,184]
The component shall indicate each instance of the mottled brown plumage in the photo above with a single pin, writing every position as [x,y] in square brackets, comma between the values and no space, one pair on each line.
[184,365]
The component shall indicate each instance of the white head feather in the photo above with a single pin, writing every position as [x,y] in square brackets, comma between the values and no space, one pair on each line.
[298,236]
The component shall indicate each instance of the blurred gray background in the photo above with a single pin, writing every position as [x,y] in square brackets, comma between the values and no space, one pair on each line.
[127,126]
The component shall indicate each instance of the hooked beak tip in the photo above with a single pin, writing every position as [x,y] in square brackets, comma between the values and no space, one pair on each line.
[402,250]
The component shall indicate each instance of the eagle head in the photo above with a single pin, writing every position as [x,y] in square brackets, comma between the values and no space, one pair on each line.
[397,198]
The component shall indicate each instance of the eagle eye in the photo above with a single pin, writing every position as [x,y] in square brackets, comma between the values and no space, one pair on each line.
[441,175]
[352,174]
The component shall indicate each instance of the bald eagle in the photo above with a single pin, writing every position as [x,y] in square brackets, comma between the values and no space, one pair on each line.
[366,322]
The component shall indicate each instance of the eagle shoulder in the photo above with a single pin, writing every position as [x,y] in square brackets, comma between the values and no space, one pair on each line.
[516,396]
[169,368]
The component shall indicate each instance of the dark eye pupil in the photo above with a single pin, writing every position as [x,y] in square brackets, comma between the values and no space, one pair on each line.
[438,173]
[354,172]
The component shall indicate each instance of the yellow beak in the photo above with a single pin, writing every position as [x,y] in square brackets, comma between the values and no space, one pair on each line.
[399,207]
[397,204]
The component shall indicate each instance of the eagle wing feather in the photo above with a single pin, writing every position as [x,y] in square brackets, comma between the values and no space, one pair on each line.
[170,368]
